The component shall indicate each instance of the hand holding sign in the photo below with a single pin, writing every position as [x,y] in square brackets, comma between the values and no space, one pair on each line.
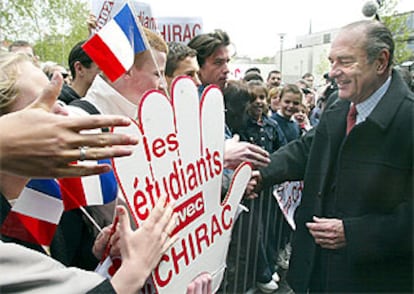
[181,156]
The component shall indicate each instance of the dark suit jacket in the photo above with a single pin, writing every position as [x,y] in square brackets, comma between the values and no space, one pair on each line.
[367,179]
[72,243]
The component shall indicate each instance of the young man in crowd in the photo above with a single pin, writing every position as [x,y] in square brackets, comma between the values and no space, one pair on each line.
[83,71]
[181,61]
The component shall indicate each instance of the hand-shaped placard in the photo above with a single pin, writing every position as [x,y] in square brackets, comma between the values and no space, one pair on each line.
[180,154]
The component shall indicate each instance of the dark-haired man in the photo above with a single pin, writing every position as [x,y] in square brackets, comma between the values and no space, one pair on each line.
[213,56]
[83,71]
[274,79]
[181,61]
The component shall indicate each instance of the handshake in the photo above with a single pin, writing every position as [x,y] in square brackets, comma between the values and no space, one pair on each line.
[236,152]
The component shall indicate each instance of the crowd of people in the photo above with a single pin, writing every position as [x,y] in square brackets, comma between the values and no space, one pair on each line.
[353,226]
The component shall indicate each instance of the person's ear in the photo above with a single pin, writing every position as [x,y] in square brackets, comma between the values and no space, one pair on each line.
[78,68]
[129,73]
[382,61]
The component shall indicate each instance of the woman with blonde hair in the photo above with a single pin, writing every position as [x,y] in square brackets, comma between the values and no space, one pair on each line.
[273,100]
[20,83]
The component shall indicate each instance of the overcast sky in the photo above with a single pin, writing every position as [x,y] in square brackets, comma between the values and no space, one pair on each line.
[254,27]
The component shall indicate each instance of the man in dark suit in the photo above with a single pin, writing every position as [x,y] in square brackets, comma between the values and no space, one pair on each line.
[355,221]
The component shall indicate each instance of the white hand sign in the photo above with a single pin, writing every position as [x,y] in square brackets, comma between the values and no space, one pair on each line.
[180,154]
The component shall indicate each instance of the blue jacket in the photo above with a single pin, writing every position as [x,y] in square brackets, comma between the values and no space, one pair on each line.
[268,135]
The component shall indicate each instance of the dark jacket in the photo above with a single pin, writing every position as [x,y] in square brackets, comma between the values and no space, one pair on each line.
[67,94]
[289,127]
[365,179]
[267,135]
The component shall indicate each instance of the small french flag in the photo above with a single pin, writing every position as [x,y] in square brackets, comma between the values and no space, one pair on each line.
[113,48]
[91,190]
[36,213]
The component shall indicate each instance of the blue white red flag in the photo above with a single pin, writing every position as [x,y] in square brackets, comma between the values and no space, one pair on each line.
[113,48]
[87,191]
[35,215]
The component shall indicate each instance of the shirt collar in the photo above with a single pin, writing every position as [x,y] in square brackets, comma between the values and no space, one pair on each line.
[279,112]
[108,100]
[365,108]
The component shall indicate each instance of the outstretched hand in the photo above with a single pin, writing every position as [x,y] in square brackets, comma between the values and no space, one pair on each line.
[253,186]
[236,152]
[141,250]
[36,143]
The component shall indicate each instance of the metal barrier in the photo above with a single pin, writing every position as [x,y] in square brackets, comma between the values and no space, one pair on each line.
[262,226]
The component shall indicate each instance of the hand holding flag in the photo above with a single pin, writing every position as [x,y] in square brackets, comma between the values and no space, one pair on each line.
[113,48]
